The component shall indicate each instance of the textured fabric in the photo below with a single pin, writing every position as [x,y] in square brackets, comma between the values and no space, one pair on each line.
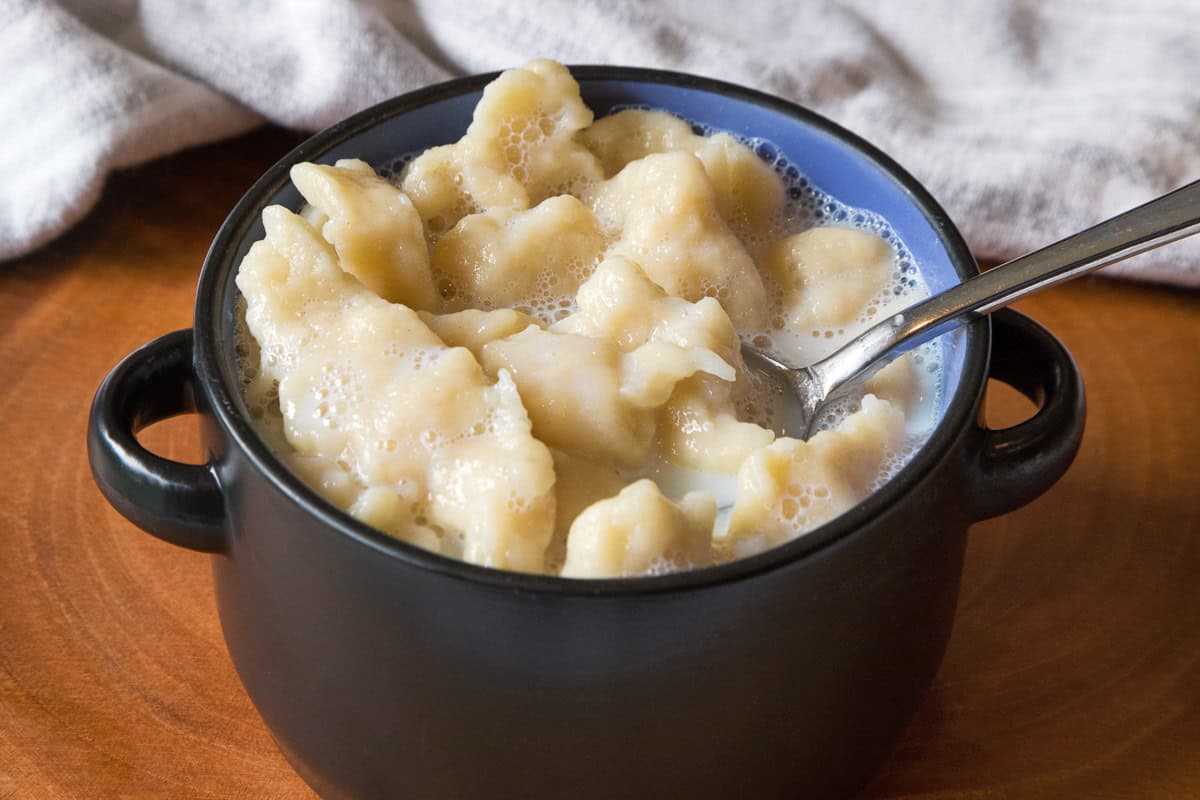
[1026,119]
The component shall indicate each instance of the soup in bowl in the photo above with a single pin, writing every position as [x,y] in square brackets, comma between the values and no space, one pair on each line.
[522,349]
[387,667]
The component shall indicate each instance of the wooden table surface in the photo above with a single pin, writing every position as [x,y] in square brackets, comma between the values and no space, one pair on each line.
[1073,671]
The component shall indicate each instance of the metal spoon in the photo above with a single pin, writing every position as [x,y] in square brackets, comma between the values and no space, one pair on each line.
[1165,219]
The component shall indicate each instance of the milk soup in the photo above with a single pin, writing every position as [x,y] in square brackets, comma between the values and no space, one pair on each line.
[522,349]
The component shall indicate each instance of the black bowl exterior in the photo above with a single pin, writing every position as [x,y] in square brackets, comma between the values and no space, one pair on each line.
[381,679]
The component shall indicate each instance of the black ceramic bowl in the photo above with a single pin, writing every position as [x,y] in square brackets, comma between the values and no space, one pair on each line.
[387,671]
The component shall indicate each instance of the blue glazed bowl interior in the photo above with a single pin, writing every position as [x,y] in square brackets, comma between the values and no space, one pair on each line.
[833,159]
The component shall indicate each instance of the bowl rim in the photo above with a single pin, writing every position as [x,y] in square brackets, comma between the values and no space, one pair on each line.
[216,373]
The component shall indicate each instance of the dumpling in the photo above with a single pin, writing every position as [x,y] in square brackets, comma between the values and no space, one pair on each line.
[749,194]
[792,486]
[374,229]
[571,386]
[663,213]
[699,426]
[828,276]
[519,150]
[635,133]
[392,422]
[639,532]
[525,126]
[518,258]
[587,397]
[621,304]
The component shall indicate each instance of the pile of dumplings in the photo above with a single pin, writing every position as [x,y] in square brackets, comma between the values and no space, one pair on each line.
[491,354]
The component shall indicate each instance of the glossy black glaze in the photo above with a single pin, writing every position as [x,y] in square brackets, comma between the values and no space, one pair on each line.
[181,503]
[382,679]
[1013,461]
[386,671]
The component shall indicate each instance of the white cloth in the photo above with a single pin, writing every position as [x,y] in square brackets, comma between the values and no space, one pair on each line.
[1026,119]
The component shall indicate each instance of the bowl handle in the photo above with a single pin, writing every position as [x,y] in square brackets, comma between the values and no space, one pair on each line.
[179,503]
[1013,466]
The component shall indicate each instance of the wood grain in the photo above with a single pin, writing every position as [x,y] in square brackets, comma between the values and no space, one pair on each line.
[1074,669]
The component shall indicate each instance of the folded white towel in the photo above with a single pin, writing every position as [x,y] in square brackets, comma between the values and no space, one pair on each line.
[1027,120]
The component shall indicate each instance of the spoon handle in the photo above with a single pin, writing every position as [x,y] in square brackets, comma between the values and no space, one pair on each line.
[1158,222]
